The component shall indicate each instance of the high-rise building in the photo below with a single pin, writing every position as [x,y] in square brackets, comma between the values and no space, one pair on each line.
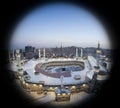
[29,52]
[29,49]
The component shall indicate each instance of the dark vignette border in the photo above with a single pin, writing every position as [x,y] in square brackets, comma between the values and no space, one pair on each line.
[13,11]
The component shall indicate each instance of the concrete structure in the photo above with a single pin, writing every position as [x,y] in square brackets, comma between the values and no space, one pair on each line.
[44,76]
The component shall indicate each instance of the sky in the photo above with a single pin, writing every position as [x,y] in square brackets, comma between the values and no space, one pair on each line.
[53,24]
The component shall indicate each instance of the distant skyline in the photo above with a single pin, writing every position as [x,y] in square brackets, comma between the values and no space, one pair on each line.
[51,25]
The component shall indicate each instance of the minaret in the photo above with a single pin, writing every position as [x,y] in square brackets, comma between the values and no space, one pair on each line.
[81,53]
[76,52]
[13,55]
[61,50]
[98,52]
[18,57]
[9,55]
[39,54]
[44,53]
[98,45]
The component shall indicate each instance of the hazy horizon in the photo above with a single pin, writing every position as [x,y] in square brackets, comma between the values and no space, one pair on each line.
[59,46]
[51,25]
